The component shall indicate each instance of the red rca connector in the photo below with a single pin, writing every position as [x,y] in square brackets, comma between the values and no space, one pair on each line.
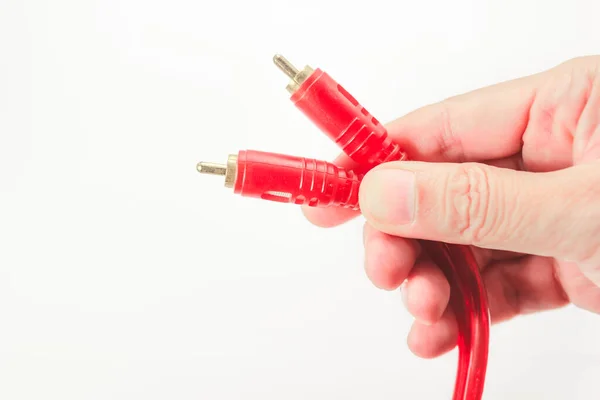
[336,113]
[287,179]
[361,136]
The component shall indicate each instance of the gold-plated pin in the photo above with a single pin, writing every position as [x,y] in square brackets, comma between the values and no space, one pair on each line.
[286,66]
[296,76]
[211,168]
[228,170]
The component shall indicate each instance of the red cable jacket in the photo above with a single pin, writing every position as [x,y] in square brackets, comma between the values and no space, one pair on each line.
[329,106]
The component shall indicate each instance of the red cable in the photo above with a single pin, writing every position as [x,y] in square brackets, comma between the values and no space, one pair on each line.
[337,113]
[298,180]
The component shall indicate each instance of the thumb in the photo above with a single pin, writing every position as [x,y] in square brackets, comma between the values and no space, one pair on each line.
[550,214]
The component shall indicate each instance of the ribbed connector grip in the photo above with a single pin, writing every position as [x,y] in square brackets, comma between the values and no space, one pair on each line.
[298,180]
[334,111]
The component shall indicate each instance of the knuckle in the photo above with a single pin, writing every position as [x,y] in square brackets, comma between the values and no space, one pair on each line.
[468,204]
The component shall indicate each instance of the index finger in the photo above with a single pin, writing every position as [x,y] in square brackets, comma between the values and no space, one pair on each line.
[481,125]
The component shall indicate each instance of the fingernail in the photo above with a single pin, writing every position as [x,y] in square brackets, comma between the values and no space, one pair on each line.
[388,196]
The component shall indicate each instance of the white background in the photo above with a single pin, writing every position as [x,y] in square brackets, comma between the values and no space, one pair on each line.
[124,274]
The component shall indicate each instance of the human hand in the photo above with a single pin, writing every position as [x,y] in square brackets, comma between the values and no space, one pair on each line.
[513,170]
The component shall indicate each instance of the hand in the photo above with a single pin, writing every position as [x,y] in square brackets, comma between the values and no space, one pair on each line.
[513,170]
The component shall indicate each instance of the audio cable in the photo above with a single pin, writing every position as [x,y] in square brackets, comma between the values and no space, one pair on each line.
[298,180]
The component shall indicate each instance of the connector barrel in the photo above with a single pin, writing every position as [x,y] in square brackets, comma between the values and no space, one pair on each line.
[298,180]
[335,112]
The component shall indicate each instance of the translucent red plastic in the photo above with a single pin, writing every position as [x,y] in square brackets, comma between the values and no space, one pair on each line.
[298,180]
[329,106]
[333,110]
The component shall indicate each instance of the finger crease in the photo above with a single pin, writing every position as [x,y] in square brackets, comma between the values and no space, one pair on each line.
[451,146]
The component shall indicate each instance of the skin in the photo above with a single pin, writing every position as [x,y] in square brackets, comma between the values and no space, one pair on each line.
[512,170]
